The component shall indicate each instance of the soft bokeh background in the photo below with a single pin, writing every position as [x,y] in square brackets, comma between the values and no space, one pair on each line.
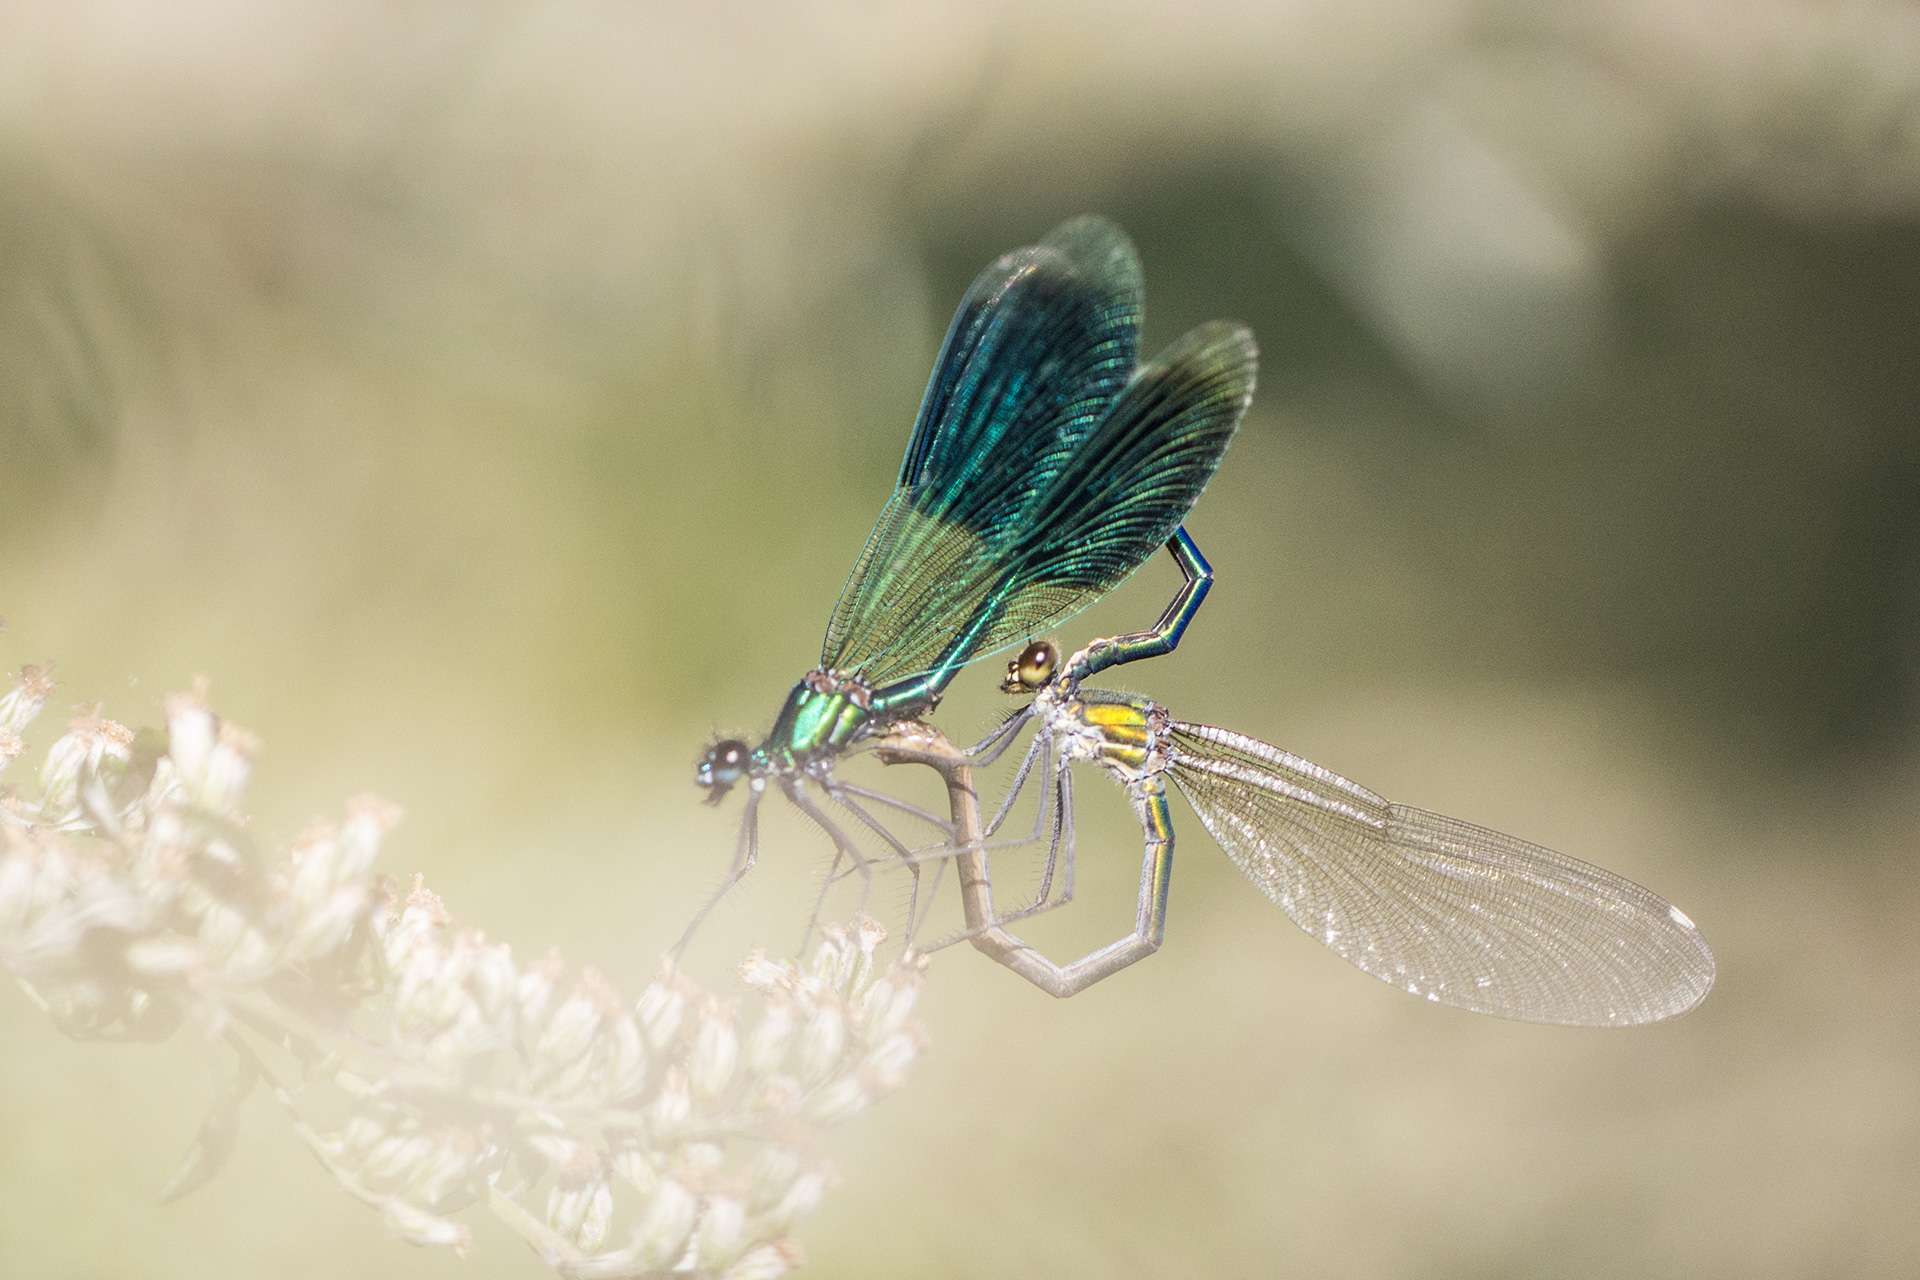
[489,399]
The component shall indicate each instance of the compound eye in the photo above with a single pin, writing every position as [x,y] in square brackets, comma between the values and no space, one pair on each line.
[725,763]
[1034,667]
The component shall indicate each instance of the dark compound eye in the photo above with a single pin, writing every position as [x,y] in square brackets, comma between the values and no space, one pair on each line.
[724,763]
[1034,667]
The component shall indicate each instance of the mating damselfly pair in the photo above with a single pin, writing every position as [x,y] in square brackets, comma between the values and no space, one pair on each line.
[1047,465]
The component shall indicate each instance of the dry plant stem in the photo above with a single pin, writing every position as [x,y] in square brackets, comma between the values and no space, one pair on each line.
[916,743]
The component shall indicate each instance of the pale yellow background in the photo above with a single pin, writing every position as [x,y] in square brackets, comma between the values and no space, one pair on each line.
[489,400]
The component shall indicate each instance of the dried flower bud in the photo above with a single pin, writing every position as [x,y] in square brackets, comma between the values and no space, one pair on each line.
[767,1262]
[801,1199]
[672,1106]
[723,1229]
[885,1006]
[716,1050]
[763,974]
[22,703]
[191,732]
[666,1222]
[449,1074]
[580,1203]
[771,1038]
[822,1042]
[774,1170]
[660,1009]
[838,1100]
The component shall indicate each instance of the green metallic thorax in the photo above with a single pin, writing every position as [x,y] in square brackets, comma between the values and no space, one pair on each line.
[814,723]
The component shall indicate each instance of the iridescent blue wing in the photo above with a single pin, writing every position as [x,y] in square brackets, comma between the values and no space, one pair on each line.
[1132,483]
[1094,518]
[1042,342]
[1442,909]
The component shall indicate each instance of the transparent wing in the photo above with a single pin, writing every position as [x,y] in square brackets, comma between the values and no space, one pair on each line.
[1443,909]
[1113,501]
[1043,340]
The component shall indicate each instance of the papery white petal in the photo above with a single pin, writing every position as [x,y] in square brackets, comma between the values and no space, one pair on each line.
[763,974]
[837,1101]
[661,1233]
[592,1232]
[801,1199]
[716,1051]
[672,1107]
[822,1042]
[391,1158]
[765,1262]
[775,1167]
[660,1009]
[723,1231]
[887,1062]
[771,1037]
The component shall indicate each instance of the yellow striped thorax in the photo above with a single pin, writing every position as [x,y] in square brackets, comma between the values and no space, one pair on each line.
[1127,734]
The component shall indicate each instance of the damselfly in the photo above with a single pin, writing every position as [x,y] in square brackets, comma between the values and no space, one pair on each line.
[1043,469]
[1447,911]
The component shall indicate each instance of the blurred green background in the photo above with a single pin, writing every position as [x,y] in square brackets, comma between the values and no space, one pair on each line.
[490,399]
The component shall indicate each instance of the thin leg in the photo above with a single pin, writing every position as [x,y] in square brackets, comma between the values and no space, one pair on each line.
[1063,829]
[1166,633]
[933,896]
[846,801]
[942,852]
[840,842]
[911,810]
[827,882]
[1042,744]
[1060,851]
[990,748]
[981,753]
[746,853]
[946,852]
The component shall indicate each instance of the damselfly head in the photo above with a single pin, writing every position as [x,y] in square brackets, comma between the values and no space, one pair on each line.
[724,764]
[1030,672]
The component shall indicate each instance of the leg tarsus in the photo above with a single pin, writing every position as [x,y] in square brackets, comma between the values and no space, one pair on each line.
[746,853]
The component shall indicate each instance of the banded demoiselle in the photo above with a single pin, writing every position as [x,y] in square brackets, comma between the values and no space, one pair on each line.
[1045,466]
[1450,912]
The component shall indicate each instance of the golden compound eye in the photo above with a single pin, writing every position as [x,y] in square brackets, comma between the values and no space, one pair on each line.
[1034,667]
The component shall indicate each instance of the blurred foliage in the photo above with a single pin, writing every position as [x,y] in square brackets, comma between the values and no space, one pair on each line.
[491,400]
[79,342]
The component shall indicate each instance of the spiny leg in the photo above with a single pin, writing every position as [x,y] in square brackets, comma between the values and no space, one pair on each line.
[946,850]
[911,810]
[842,846]
[940,854]
[841,795]
[1164,638]
[1063,825]
[746,853]
[1057,819]
[990,748]
[933,896]
[981,753]
[1060,851]
[1042,747]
